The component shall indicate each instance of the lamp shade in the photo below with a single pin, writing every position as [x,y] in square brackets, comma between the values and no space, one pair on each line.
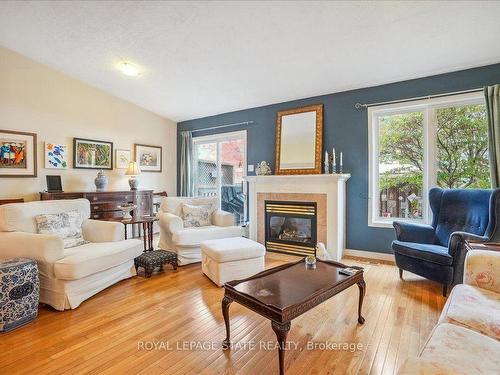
[133,169]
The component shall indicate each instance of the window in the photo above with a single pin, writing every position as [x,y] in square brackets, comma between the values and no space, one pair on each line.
[415,146]
[220,165]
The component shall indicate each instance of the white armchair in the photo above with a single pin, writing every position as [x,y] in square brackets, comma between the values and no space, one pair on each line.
[186,242]
[68,276]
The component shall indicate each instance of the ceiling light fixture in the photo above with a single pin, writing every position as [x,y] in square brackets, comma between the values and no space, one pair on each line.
[129,69]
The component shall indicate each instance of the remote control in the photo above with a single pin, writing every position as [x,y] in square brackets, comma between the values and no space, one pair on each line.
[348,271]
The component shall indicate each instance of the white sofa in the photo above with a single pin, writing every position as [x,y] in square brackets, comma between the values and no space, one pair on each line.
[186,242]
[466,339]
[68,276]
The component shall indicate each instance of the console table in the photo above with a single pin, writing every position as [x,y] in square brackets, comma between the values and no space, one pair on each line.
[104,204]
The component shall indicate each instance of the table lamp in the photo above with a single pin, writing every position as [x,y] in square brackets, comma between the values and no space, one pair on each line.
[133,171]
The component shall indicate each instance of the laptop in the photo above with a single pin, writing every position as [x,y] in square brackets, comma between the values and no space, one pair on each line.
[54,184]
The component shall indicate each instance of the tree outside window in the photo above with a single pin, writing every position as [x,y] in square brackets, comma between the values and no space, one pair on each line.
[460,142]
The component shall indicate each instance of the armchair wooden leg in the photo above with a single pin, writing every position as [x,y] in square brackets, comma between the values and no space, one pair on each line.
[401,273]
[445,290]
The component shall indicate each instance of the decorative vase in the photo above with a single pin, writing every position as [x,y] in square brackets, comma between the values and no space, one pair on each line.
[127,209]
[101,181]
[263,169]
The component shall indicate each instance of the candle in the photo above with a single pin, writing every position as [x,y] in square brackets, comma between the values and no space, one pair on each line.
[326,156]
[333,153]
[340,158]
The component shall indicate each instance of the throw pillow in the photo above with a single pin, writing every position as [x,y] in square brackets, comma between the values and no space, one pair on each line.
[196,216]
[66,225]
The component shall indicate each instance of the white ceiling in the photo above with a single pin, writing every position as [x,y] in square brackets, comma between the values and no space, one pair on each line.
[204,58]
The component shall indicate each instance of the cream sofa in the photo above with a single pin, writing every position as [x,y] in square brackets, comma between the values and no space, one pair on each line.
[186,242]
[466,339]
[68,276]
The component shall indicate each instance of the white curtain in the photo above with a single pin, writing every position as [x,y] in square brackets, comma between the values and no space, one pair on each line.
[186,165]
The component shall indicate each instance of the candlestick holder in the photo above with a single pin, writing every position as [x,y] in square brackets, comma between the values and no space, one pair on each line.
[334,168]
[326,167]
[341,169]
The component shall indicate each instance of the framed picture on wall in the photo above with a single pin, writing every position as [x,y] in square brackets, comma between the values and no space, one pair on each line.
[56,156]
[17,154]
[122,159]
[148,157]
[92,154]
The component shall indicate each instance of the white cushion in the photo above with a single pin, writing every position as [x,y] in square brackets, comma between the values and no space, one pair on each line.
[193,237]
[20,217]
[91,258]
[453,349]
[231,249]
[221,273]
[474,308]
[173,205]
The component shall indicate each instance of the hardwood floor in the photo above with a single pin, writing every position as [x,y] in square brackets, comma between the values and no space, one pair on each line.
[113,332]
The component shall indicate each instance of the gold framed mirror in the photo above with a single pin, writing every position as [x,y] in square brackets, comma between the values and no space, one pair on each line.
[299,140]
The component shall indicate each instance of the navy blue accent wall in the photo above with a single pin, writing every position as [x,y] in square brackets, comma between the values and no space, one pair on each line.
[346,129]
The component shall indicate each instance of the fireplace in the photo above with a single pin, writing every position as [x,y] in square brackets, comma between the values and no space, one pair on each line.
[291,227]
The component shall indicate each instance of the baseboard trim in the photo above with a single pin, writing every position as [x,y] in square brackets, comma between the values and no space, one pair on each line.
[369,255]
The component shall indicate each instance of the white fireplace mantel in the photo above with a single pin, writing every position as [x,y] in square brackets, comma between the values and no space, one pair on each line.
[332,185]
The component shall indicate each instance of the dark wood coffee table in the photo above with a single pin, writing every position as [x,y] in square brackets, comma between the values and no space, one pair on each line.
[285,292]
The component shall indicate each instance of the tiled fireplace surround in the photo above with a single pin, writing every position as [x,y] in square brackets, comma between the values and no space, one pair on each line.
[320,200]
[328,191]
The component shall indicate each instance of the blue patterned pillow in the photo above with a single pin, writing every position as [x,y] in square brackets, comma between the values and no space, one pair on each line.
[196,216]
[67,225]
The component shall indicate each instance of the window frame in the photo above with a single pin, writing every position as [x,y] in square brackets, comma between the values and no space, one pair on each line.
[428,108]
[218,138]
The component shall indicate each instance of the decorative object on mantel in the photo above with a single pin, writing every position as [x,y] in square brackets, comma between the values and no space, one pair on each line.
[299,140]
[263,169]
[133,171]
[101,181]
[326,163]
[334,161]
[341,165]
[148,157]
[92,154]
[17,154]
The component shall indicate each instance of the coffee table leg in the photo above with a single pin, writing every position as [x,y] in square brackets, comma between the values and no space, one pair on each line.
[225,312]
[362,290]
[281,331]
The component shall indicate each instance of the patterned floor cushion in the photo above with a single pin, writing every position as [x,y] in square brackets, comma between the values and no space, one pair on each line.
[474,308]
[448,351]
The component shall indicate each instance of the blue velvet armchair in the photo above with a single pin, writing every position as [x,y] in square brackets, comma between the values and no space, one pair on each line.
[437,251]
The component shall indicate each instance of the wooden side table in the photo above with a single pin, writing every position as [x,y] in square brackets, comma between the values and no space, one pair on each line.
[147,229]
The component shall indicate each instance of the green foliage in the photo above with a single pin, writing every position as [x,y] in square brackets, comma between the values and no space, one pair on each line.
[462,148]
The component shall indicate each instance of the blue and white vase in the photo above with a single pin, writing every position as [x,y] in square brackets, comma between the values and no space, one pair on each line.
[101,181]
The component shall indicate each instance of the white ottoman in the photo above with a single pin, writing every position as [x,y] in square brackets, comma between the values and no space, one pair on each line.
[231,259]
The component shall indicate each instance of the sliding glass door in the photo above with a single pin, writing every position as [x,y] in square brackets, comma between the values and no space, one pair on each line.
[219,168]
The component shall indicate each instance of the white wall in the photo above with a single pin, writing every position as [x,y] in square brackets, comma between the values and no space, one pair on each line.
[38,99]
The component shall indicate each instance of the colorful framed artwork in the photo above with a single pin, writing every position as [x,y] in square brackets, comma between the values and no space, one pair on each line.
[148,157]
[17,154]
[56,156]
[92,154]
[122,159]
